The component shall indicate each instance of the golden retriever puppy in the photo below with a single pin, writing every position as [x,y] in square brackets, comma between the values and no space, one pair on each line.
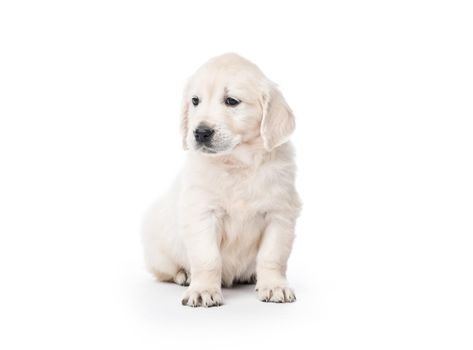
[230,216]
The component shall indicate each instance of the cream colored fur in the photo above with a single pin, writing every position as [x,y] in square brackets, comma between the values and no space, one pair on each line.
[230,215]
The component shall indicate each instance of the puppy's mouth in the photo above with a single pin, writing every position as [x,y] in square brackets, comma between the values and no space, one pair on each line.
[207,149]
[214,149]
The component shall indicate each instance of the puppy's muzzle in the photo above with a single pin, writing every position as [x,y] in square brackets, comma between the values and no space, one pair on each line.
[203,135]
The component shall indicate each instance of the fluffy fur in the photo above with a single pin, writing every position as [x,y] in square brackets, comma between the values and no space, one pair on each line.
[230,215]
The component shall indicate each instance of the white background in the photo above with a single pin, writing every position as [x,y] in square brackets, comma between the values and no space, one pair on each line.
[89,104]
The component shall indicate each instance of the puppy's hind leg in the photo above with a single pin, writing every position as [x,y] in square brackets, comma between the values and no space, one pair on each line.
[182,278]
[161,250]
[167,271]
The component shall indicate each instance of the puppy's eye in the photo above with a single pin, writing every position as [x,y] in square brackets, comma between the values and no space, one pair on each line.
[230,101]
[195,100]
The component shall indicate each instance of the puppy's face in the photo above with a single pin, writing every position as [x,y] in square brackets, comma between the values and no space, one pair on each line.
[229,102]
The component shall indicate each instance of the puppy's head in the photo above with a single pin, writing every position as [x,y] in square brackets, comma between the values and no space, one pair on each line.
[229,102]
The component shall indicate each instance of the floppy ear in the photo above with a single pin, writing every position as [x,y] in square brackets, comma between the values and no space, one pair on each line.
[184,120]
[278,121]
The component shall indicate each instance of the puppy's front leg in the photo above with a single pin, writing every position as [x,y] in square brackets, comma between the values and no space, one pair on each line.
[272,259]
[200,236]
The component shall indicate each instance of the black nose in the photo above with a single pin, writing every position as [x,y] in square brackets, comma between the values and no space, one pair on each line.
[203,135]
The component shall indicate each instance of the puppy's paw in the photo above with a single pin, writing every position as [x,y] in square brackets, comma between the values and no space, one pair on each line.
[275,293]
[202,297]
[182,278]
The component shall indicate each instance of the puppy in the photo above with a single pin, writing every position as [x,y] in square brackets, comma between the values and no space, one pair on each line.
[230,216]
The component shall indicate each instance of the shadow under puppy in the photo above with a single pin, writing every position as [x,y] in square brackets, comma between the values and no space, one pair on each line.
[231,213]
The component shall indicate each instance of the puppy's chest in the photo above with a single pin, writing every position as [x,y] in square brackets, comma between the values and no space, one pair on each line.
[243,208]
[242,196]
[241,228]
